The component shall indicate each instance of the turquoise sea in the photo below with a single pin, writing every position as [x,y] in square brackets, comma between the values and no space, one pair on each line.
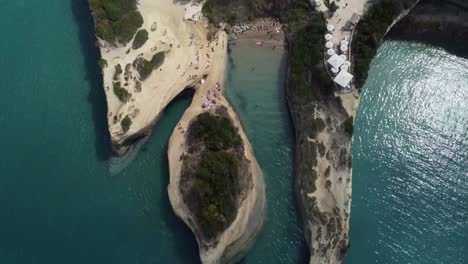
[410,159]
[61,205]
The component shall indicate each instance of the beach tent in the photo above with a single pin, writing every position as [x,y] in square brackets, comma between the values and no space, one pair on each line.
[344,48]
[343,78]
[331,52]
[334,70]
[330,28]
[328,36]
[335,61]
[329,44]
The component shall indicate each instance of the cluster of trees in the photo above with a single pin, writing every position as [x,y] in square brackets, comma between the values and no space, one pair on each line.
[370,31]
[308,76]
[145,68]
[126,123]
[121,92]
[140,39]
[231,11]
[216,178]
[116,21]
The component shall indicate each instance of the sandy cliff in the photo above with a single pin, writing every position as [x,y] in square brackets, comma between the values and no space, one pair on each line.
[185,46]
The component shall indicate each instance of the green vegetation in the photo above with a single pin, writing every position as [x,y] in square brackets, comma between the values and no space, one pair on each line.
[116,21]
[232,11]
[216,132]
[370,32]
[117,72]
[140,39]
[214,195]
[126,123]
[121,92]
[216,189]
[102,63]
[145,68]
[308,77]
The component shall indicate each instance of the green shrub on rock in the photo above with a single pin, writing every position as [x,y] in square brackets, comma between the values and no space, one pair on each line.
[116,21]
[126,123]
[140,39]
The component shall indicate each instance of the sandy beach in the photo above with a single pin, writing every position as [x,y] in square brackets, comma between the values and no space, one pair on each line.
[265,30]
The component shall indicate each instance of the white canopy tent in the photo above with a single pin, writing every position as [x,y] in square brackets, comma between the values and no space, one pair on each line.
[334,70]
[343,78]
[329,45]
[343,57]
[347,63]
[344,43]
[344,48]
[335,61]
[344,67]
[331,52]
[330,28]
[328,36]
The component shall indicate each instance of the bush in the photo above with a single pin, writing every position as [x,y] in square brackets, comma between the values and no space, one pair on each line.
[145,68]
[121,92]
[140,39]
[216,132]
[116,21]
[216,188]
[102,63]
[117,72]
[126,123]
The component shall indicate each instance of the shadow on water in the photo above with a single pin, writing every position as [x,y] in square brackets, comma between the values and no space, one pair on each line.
[184,239]
[303,250]
[96,96]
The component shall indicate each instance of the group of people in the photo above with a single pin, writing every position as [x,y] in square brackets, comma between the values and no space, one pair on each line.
[212,100]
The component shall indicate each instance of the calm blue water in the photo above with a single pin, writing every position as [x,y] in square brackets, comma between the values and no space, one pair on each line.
[410,159]
[255,87]
[59,203]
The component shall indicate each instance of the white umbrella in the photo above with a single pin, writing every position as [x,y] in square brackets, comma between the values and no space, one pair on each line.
[334,70]
[344,67]
[330,28]
[344,48]
[329,45]
[344,43]
[347,63]
[343,57]
[328,36]
[330,52]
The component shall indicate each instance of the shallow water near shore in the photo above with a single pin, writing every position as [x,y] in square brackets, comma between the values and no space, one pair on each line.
[255,88]
[410,159]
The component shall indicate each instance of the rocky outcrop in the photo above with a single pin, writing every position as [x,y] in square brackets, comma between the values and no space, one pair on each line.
[232,243]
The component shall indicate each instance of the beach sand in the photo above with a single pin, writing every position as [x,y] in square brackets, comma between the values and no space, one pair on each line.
[268,34]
